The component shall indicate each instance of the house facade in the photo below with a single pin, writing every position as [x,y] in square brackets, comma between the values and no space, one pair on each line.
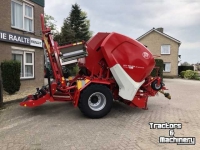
[165,46]
[20,38]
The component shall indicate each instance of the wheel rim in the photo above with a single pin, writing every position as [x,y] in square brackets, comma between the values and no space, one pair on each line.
[157,86]
[97,101]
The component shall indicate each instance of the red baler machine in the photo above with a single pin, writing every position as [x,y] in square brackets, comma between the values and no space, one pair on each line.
[111,67]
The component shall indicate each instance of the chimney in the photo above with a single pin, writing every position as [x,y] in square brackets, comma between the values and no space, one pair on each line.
[160,30]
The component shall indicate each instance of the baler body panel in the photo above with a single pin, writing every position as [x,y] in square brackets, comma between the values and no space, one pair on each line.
[95,54]
[136,60]
[127,86]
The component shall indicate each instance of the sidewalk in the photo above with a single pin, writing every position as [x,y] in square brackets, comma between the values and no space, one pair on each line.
[22,93]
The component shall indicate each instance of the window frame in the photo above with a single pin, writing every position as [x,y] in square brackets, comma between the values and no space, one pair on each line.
[28,64]
[165,64]
[24,51]
[24,3]
[169,49]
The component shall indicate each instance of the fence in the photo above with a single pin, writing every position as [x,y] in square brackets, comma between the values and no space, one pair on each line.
[184,68]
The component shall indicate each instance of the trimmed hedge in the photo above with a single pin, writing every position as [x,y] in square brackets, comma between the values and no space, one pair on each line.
[184,68]
[182,74]
[159,63]
[189,74]
[11,75]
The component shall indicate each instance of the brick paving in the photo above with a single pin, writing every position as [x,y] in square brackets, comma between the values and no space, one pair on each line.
[60,126]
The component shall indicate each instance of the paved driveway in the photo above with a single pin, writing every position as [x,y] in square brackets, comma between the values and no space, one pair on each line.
[59,126]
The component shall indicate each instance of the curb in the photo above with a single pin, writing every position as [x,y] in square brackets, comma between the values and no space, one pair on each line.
[13,101]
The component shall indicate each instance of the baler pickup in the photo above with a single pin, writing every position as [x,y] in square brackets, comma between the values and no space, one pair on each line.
[37,99]
[29,101]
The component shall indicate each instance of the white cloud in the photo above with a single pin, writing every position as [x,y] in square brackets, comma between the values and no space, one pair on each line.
[180,19]
[191,45]
[176,15]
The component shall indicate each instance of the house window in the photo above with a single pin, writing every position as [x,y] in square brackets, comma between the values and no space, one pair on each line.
[165,49]
[26,59]
[166,67]
[21,16]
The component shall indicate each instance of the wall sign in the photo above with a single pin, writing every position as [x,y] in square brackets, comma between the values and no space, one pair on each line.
[35,42]
[19,39]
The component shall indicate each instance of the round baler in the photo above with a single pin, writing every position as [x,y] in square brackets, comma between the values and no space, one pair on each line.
[112,67]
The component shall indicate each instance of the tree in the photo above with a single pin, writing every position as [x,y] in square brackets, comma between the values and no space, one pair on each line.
[78,23]
[67,35]
[185,64]
[84,14]
[75,27]
[50,22]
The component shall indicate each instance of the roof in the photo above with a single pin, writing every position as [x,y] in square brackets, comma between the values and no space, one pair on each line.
[39,2]
[169,37]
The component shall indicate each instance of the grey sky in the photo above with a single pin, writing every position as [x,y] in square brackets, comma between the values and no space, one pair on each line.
[179,18]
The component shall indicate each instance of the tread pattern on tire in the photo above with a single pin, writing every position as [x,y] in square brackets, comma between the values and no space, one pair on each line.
[83,101]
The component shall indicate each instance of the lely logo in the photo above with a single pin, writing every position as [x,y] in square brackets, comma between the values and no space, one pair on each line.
[145,55]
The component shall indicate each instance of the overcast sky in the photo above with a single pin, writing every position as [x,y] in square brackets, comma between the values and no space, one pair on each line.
[179,18]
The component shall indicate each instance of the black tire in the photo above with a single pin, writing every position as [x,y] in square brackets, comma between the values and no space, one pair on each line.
[89,94]
[155,87]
